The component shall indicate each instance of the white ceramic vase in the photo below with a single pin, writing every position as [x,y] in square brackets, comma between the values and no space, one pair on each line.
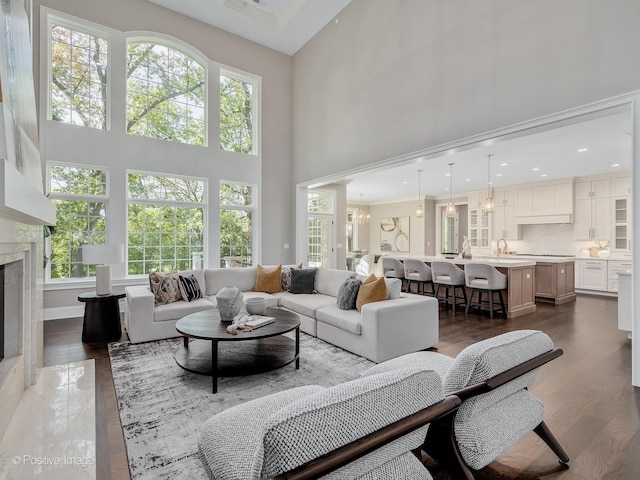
[229,300]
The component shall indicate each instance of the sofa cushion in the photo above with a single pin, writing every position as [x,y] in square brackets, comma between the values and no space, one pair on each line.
[303,281]
[165,287]
[347,320]
[306,303]
[268,280]
[189,288]
[348,294]
[328,280]
[177,310]
[394,285]
[373,289]
[199,274]
[216,279]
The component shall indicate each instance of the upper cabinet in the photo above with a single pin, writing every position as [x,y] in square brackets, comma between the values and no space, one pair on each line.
[504,223]
[620,186]
[545,204]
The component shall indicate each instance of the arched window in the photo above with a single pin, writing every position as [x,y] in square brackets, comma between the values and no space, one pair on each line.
[165,94]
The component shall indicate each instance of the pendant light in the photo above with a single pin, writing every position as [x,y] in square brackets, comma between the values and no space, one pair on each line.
[363,218]
[451,207]
[419,209]
[489,206]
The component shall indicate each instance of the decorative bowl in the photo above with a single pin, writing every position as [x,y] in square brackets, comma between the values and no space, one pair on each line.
[255,306]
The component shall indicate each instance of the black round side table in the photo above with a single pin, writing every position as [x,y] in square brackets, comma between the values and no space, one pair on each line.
[101,317]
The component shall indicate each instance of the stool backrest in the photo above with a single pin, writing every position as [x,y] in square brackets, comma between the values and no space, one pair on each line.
[495,279]
[455,273]
[393,266]
[413,265]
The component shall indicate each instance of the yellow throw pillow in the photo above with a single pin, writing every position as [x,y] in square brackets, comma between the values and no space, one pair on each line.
[268,280]
[373,289]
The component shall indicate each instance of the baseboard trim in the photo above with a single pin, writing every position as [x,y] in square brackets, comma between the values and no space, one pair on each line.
[58,313]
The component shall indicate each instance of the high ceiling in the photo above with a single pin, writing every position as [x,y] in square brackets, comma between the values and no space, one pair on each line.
[284,25]
[543,155]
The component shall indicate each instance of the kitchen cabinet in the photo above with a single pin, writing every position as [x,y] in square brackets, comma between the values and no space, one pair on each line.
[555,282]
[592,189]
[479,227]
[592,274]
[504,223]
[592,219]
[620,186]
[621,234]
[476,199]
[615,268]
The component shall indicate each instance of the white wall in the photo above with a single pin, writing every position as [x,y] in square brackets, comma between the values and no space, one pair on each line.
[398,209]
[395,77]
[271,169]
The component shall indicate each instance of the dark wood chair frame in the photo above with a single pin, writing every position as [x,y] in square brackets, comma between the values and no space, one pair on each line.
[489,302]
[440,443]
[420,287]
[357,449]
[453,300]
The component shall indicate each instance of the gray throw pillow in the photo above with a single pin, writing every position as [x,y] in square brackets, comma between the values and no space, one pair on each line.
[303,281]
[348,294]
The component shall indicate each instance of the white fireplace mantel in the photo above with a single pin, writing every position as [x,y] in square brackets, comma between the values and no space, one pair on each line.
[21,201]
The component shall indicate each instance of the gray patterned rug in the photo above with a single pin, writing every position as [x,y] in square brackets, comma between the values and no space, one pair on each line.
[162,406]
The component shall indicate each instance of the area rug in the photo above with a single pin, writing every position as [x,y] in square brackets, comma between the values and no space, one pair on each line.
[162,407]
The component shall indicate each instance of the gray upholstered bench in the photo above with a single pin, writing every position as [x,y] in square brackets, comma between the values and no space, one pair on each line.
[278,433]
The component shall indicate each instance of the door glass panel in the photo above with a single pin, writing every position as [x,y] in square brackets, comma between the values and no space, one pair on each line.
[319,232]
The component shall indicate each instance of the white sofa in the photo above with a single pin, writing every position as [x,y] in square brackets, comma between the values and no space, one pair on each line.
[382,330]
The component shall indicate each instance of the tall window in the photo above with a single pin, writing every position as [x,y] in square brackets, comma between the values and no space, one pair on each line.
[320,228]
[237,204]
[78,77]
[165,94]
[236,114]
[165,222]
[80,195]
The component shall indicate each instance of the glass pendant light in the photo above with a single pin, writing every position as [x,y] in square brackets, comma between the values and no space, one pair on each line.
[451,207]
[363,218]
[489,206]
[419,209]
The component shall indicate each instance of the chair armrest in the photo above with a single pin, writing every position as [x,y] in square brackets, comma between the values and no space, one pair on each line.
[507,376]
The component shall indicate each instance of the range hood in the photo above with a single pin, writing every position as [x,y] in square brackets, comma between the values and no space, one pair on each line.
[544,219]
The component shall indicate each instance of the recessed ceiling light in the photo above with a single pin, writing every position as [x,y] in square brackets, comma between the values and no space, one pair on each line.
[535,169]
[498,174]
[447,174]
[581,150]
[405,182]
[446,188]
[490,183]
[615,165]
[467,179]
[504,164]
[543,175]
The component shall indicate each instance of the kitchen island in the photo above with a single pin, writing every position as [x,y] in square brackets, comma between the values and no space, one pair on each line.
[555,276]
[520,297]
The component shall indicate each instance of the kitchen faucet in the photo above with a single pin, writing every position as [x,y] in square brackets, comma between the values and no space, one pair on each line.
[503,250]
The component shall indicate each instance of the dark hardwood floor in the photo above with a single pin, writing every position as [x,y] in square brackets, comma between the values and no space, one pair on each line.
[590,404]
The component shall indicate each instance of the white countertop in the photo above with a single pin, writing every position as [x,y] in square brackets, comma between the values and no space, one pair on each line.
[501,261]
[540,259]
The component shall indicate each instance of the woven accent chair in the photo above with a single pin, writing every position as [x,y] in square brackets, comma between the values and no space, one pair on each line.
[419,272]
[364,429]
[392,268]
[491,378]
[451,277]
[483,278]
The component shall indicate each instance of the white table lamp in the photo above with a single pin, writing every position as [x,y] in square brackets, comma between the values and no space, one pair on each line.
[103,256]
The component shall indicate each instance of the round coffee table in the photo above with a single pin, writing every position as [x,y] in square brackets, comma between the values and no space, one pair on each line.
[247,353]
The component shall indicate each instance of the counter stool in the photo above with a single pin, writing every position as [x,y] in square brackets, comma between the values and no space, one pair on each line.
[450,276]
[393,268]
[483,278]
[417,271]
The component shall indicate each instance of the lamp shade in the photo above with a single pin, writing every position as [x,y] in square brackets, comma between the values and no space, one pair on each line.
[102,254]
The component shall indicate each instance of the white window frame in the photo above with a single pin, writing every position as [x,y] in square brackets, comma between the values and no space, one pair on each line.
[253,208]
[256,113]
[76,198]
[187,50]
[90,28]
[204,205]
[329,215]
